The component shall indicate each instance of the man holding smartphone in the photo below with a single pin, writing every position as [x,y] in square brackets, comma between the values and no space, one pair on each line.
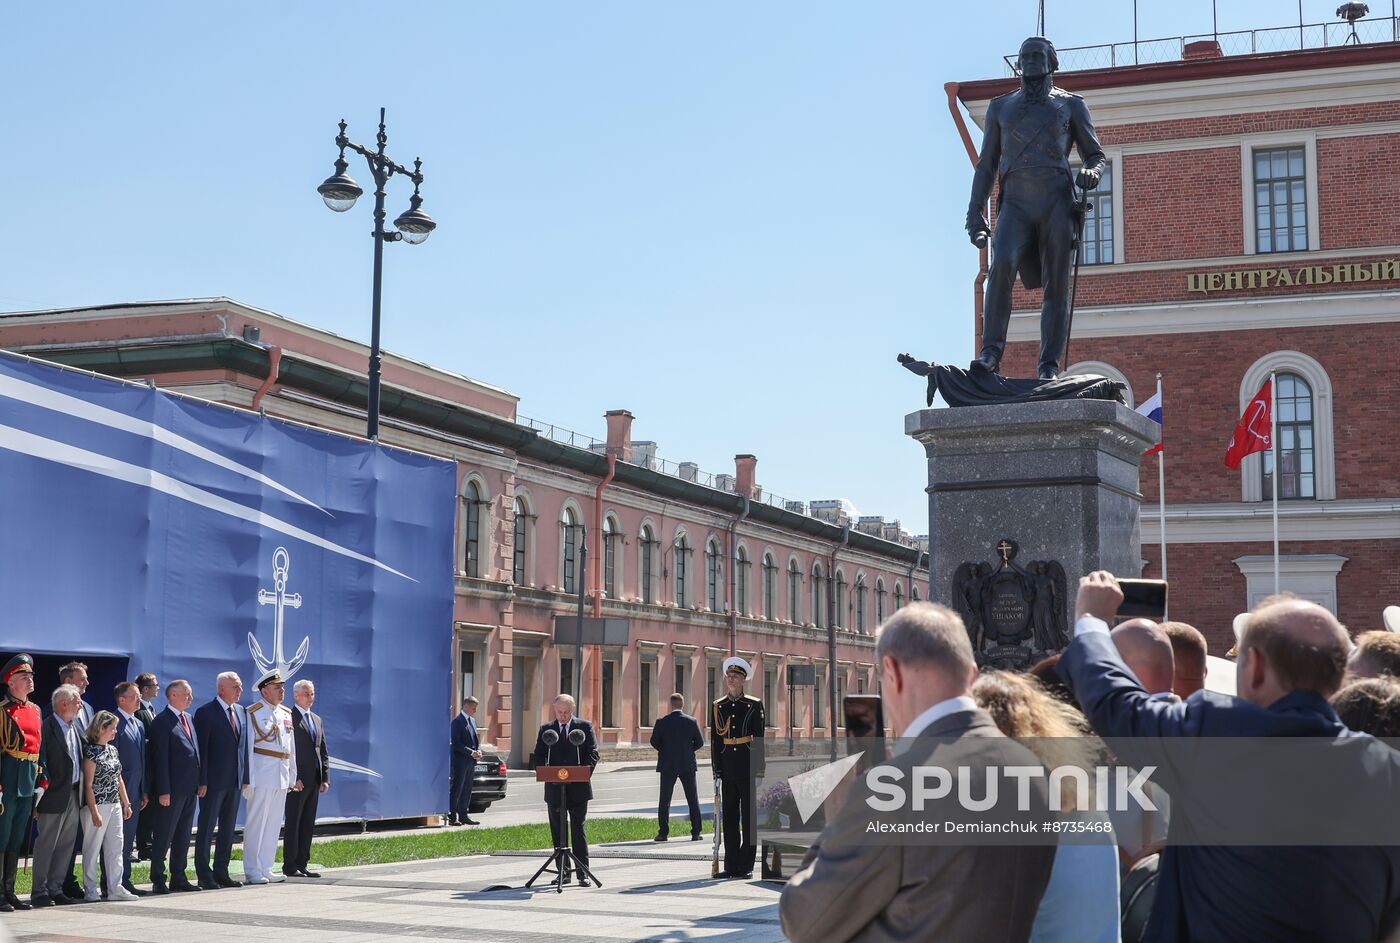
[736,752]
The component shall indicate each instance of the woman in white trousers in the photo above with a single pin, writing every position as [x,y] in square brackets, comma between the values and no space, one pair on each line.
[106,808]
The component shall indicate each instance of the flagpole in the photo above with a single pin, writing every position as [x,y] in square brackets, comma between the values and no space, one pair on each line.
[1162,493]
[1273,451]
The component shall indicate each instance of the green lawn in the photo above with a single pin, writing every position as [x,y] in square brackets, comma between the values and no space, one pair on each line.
[347,852]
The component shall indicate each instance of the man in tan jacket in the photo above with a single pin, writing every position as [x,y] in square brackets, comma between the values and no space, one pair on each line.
[858,887]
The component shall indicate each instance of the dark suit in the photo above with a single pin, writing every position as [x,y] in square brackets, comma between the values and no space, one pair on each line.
[675,738]
[850,888]
[465,739]
[145,827]
[131,750]
[71,885]
[1218,892]
[176,774]
[60,807]
[570,797]
[223,771]
[314,771]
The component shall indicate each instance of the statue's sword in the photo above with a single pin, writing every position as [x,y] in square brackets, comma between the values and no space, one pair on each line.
[1083,211]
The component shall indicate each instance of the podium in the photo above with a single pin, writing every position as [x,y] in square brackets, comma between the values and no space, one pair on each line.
[563,859]
[563,775]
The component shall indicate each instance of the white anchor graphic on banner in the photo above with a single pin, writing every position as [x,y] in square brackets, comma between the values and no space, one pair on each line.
[281,600]
[281,563]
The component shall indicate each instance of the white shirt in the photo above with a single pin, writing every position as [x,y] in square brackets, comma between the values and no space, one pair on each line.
[937,712]
[75,748]
[1088,623]
[125,714]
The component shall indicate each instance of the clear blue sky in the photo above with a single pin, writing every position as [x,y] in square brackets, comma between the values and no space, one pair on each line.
[727,217]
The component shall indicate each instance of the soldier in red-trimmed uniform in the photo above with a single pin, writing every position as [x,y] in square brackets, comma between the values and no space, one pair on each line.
[19,771]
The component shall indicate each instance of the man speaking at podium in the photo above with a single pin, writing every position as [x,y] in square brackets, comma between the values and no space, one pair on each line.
[572,798]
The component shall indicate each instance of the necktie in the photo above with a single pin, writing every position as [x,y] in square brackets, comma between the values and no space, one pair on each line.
[231,721]
[77,752]
[311,726]
[185,722]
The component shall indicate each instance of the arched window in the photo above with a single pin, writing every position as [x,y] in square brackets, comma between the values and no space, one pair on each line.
[860,605]
[841,598]
[1297,478]
[647,566]
[818,610]
[1103,370]
[682,565]
[794,592]
[569,523]
[898,597]
[741,582]
[1305,435]
[471,497]
[522,520]
[714,580]
[879,602]
[770,588]
[610,538]
[913,592]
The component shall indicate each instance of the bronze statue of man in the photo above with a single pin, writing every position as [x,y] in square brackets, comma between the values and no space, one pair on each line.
[1025,146]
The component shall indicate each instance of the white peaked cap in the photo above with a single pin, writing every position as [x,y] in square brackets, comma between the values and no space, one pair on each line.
[736,662]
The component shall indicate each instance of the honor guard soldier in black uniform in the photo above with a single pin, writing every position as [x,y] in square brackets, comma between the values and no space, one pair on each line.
[736,750]
[1026,140]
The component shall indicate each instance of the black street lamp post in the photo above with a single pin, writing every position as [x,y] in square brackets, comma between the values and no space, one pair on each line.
[340,193]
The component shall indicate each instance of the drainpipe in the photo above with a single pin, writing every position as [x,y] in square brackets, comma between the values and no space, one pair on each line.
[734,576]
[598,529]
[595,676]
[274,362]
[980,281]
[831,631]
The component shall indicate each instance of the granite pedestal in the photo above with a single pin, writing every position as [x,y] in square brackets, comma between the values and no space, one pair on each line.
[1060,479]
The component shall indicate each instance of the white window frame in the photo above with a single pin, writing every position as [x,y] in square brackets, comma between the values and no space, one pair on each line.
[1249,143]
[1104,370]
[1312,576]
[1324,459]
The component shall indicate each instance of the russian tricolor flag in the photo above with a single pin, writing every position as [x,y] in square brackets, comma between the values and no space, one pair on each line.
[1152,409]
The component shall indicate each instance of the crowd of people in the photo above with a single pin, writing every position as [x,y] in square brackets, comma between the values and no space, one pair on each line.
[116,788]
[1298,674]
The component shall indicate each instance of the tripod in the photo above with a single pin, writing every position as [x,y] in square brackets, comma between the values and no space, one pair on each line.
[563,858]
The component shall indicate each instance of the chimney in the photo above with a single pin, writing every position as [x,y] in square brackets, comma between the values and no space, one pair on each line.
[1202,49]
[744,483]
[619,434]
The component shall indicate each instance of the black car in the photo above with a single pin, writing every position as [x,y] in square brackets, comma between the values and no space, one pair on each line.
[489,781]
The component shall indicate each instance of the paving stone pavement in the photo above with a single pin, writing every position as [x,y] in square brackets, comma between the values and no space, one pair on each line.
[650,892]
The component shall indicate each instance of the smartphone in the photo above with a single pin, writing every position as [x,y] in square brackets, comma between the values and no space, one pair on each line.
[865,716]
[1143,598]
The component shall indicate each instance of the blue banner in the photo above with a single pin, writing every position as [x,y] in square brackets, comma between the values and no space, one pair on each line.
[150,532]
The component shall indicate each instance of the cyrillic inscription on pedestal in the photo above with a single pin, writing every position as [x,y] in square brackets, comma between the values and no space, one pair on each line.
[1014,615]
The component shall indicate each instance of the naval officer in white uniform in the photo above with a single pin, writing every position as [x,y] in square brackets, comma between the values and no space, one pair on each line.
[271,772]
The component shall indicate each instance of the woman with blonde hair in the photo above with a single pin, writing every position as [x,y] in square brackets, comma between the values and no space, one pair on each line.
[1080,904]
[104,795]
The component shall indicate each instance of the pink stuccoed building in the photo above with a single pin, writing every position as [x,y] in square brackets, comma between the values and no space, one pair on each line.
[688,566]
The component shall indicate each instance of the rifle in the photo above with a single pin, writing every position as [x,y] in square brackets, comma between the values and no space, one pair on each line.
[714,857]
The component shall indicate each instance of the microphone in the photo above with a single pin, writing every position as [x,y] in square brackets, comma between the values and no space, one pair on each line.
[550,738]
[576,737]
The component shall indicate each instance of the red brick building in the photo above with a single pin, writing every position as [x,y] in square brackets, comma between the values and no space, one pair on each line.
[1250,222]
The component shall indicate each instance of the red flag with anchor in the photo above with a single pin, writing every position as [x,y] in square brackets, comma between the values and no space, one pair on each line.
[1252,433]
